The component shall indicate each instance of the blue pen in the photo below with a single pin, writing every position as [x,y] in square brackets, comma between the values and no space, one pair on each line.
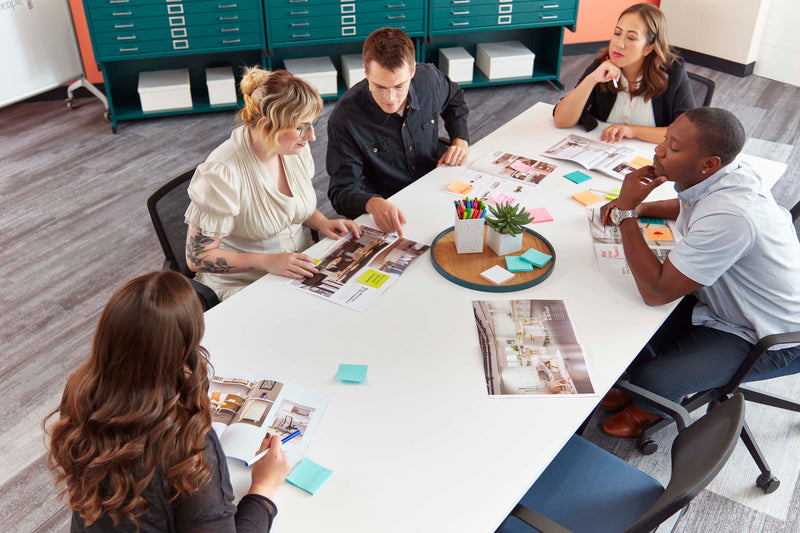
[284,440]
[287,438]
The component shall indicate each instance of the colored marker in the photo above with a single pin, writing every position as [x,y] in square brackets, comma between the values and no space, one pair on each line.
[284,440]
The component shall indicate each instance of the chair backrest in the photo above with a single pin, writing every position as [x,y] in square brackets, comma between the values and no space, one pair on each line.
[698,454]
[167,206]
[795,211]
[702,88]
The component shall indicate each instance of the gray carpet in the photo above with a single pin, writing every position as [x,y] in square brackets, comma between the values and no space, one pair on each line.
[75,226]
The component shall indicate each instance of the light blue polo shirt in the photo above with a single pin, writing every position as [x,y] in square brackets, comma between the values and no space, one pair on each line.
[743,248]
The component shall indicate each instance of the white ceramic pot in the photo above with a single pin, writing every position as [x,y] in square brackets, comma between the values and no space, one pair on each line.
[502,243]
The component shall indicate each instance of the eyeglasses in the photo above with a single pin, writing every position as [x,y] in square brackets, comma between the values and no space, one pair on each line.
[396,91]
[303,130]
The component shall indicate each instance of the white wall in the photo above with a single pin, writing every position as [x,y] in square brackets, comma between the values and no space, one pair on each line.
[779,53]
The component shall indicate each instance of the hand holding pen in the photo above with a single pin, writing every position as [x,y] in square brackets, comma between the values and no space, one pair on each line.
[268,473]
[609,71]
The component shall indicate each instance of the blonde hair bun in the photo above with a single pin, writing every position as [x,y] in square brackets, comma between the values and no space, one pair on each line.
[251,78]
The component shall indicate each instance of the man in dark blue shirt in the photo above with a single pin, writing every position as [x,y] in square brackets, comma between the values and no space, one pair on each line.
[383,133]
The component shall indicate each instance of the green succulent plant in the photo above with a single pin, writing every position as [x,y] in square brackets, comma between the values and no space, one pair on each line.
[508,219]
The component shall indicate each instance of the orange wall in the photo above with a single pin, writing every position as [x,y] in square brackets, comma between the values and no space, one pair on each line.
[82,31]
[596,19]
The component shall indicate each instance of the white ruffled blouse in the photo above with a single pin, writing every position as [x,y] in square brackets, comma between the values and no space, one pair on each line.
[631,111]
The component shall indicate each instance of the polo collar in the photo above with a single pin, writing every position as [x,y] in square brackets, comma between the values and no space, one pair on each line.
[689,197]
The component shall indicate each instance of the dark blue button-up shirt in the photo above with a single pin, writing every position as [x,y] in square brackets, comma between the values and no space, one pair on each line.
[371,153]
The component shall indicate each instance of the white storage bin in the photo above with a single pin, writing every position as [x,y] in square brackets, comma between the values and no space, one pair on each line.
[162,90]
[456,63]
[221,86]
[508,59]
[318,71]
[352,69]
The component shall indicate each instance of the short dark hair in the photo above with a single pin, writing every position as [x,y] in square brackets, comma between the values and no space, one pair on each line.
[390,48]
[719,132]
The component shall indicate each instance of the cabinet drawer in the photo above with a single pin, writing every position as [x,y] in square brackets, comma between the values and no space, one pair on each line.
[342,8]
[93,4]
[114,52]
[149,23]
[163,34]
[496,22]
[476,10]
[172,9]
[533,5]
[340,33]
[281,27]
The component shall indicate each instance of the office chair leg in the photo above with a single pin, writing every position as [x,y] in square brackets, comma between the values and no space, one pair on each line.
[768,399]
[646,443]
[766,481]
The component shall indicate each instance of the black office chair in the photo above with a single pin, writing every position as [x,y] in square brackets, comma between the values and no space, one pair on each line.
[167,206]
[587,489]
[702,88]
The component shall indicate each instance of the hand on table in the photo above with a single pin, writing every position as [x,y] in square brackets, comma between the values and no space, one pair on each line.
[334,228]
[387,216]
[290,264]
[270,471]
[456,154]
[616,132]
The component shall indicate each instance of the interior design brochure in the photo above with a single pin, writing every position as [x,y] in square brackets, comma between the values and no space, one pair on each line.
[500,175]
[246,412]
[355,272]
[529,348]
[613,160]
[659,234]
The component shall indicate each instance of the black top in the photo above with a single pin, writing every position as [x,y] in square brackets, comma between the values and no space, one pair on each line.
[372,154]
[209,510]
[666,107]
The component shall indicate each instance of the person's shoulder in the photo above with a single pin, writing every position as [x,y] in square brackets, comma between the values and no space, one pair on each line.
[350,102]
[227,152]
[677,66]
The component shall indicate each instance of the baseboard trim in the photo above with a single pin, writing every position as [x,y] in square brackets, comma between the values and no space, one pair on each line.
[577,49]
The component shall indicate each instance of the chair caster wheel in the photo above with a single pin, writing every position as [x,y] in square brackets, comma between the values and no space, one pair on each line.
[107,115]
[768,485]
[648,446]
[71,104]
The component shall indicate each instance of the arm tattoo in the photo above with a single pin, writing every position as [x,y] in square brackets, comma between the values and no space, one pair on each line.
[197,246]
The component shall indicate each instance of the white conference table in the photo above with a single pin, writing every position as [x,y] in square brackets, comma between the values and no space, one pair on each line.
[421,446]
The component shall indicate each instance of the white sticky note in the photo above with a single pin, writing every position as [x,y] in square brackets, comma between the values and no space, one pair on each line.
[497,275]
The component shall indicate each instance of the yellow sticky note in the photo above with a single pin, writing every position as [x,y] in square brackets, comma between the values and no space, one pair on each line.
[373,278]
[659,234]
[639,162]
[587,197]
[459,187]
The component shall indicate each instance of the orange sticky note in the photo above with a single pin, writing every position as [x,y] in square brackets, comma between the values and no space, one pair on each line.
[459,187]
[639,162]
[587,197]
[659,234]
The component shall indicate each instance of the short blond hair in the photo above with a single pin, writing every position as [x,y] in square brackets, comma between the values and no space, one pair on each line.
[275,102]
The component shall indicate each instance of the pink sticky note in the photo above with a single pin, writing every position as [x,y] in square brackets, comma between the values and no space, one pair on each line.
[499,197]
[521,167]
[540,214]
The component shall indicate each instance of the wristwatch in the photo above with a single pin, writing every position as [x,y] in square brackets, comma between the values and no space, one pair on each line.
[618,216]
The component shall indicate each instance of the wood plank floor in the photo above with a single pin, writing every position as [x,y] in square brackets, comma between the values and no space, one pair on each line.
[75,226]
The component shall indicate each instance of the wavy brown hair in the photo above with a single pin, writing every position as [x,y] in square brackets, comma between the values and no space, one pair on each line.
[137,405]
[654,71]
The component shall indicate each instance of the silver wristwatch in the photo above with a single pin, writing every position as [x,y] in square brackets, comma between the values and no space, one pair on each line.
[618,216]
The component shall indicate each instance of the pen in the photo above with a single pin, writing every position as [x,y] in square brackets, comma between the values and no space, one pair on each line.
[284,440]
[614,192]
[613,79]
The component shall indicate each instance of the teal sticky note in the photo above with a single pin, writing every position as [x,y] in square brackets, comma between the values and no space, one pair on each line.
[516,264]
[536,258]
[651,220]
[309,476]
[577,176]
[352,373]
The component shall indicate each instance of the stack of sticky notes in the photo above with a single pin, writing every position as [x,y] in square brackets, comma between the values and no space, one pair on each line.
[528,260]
[577,177]
[587,197]
[497,275]
[539,214]
[517,264]
[309,476]
[352,373]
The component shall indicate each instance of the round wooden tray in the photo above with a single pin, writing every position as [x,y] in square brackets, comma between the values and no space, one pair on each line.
[465,269]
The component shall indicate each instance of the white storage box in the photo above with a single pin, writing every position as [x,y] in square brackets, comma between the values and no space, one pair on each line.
[456,63]
[352,69]
[508,59]
[221,86]
[162,90]
[318,71]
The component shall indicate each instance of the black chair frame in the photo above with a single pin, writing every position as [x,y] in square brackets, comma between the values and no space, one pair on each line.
[709,85]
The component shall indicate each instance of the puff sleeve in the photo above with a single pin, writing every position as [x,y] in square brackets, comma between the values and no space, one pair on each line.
[215,197]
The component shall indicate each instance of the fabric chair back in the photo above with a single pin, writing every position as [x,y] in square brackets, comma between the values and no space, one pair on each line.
[167,206]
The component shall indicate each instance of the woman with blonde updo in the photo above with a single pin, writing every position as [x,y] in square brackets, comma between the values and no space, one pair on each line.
[253,193]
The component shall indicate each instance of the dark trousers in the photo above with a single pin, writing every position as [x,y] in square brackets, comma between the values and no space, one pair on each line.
[683,359]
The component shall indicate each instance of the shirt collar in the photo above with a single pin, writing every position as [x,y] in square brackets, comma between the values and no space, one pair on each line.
[692,195]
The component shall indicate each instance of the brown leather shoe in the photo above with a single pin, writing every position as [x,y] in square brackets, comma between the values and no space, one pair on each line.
[629,422]
[615,400]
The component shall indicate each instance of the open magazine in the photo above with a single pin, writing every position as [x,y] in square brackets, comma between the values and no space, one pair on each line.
[355,272]
[659,234]
[529,348]
[245,412]
[610,159]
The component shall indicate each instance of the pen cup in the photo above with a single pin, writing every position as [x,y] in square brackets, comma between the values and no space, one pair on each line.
[469,235]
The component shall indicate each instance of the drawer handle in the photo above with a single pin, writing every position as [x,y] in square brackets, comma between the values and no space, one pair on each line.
[226,19]
[548,17]
[134,49]
[127,38]
[118,1]
[348,8]
[459,23]
[551,6]
[121,14]
[395,17]
[298,1]
[348,19]
[300,35]
[298,13]
[395,6]
[504,19]
[122,26]
[300,24]
[505,9]
[178,33]
[232,41]
[227,6]
[348,31]
[177,21]
[459,12]
[183,44]
[228,30]
[175,9]
[456,2]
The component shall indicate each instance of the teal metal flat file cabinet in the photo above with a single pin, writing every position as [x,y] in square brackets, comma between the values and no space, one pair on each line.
[133,36]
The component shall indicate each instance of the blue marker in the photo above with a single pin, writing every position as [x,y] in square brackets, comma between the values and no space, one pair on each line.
[287,438]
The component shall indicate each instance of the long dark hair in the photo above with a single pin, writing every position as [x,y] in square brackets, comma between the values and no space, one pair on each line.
[654,71]
[139,403]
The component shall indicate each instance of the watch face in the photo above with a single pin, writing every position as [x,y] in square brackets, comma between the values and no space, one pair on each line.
[615,216]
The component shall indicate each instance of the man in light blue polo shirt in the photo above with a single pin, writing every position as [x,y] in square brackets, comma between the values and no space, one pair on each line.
[738,262]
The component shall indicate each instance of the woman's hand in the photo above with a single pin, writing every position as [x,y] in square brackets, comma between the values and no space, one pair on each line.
[616,132]
[607,71]
[290,264]
[337,227]
[269,472]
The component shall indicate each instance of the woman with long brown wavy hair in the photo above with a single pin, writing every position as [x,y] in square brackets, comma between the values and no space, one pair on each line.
[636,83]
[133,442]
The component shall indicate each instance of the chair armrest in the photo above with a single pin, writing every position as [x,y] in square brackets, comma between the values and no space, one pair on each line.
[758,349]
[675,410]
[314,235]
[537,520]
[206,294]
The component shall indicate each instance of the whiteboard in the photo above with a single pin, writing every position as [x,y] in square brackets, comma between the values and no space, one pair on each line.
[38,50]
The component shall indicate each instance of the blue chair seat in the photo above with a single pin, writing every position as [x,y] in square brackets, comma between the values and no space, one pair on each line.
[587,489]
